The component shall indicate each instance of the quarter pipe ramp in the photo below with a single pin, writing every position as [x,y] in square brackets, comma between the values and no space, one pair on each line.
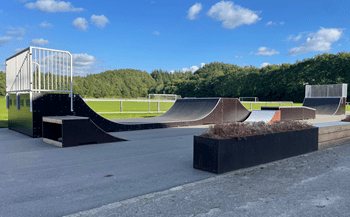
[326,106]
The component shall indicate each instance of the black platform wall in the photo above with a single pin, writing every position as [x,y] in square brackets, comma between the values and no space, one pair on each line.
[30,123]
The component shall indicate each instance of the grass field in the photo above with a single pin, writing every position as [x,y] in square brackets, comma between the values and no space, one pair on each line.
[114,106]
[257,106]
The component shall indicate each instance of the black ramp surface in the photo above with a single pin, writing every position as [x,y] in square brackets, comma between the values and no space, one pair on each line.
[75,131]
[184,110]
[323,106]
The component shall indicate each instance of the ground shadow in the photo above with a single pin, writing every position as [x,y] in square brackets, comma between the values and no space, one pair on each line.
[3,123]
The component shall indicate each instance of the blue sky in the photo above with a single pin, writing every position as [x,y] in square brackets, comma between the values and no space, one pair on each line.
[175,34]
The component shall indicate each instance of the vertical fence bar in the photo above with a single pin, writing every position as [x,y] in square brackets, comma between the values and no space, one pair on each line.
[39,71]
[63,79]
[35,71]
[56,70]
[121,106]
[158,106]
[71,81]
[28,72]
[149,106]
[31,80]
[52,87]
[67,64]
[43,62]
[59,73]
[48,69]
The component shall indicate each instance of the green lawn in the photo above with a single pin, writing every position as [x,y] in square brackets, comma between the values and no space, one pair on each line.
[113,106]
[257,106]
[3,112]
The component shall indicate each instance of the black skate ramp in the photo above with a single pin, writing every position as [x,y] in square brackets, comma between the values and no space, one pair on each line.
[68,131]
[326,106]
[184,112]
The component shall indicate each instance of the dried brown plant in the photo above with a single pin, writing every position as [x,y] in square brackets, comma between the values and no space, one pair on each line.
[242,130]
[347,118]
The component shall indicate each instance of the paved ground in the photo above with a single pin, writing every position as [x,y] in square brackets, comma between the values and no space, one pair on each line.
[152,175]
[37,179]
[316,184]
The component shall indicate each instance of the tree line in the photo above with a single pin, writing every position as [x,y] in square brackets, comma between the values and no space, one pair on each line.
[272,82]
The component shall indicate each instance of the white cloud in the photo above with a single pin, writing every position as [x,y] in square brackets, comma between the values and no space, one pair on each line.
[194,11]
[18,50]
[232,15]
[46,25]
[264,51]
[191,69]
[172,71]
[16,31]
[84,64]
[264,64]
[296,38]
[270,23]
[319,41]
[4,40]
[80,24]
[251,53]
[99,21]
[238,57]
[156,33]
[19,39]
[40,41]
[52,6]
[281,23]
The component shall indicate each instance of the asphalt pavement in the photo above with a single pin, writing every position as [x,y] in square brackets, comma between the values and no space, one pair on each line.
[153,175]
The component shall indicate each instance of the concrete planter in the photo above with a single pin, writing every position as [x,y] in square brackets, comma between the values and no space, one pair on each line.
[224,155]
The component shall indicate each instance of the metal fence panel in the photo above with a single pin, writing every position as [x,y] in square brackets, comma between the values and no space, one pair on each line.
[331,90]
[40,70]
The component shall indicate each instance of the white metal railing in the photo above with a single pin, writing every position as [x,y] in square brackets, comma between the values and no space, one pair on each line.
[40,70]
[329,90]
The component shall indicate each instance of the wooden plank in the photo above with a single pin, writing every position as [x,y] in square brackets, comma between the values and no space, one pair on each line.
[330,129]
[334,135]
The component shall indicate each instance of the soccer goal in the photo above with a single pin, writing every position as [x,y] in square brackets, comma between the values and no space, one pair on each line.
[153,96]
[249,99]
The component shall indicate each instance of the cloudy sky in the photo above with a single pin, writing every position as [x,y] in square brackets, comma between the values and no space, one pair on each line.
[175,34]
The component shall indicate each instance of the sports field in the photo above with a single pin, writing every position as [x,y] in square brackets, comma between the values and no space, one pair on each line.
[114,106]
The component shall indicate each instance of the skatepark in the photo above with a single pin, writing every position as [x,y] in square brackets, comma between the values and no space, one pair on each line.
[149,170]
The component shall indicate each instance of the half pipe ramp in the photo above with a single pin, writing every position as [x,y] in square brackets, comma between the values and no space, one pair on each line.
[184,112]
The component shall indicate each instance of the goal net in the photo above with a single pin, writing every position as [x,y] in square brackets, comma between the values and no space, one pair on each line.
[250,99]
[153,96]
